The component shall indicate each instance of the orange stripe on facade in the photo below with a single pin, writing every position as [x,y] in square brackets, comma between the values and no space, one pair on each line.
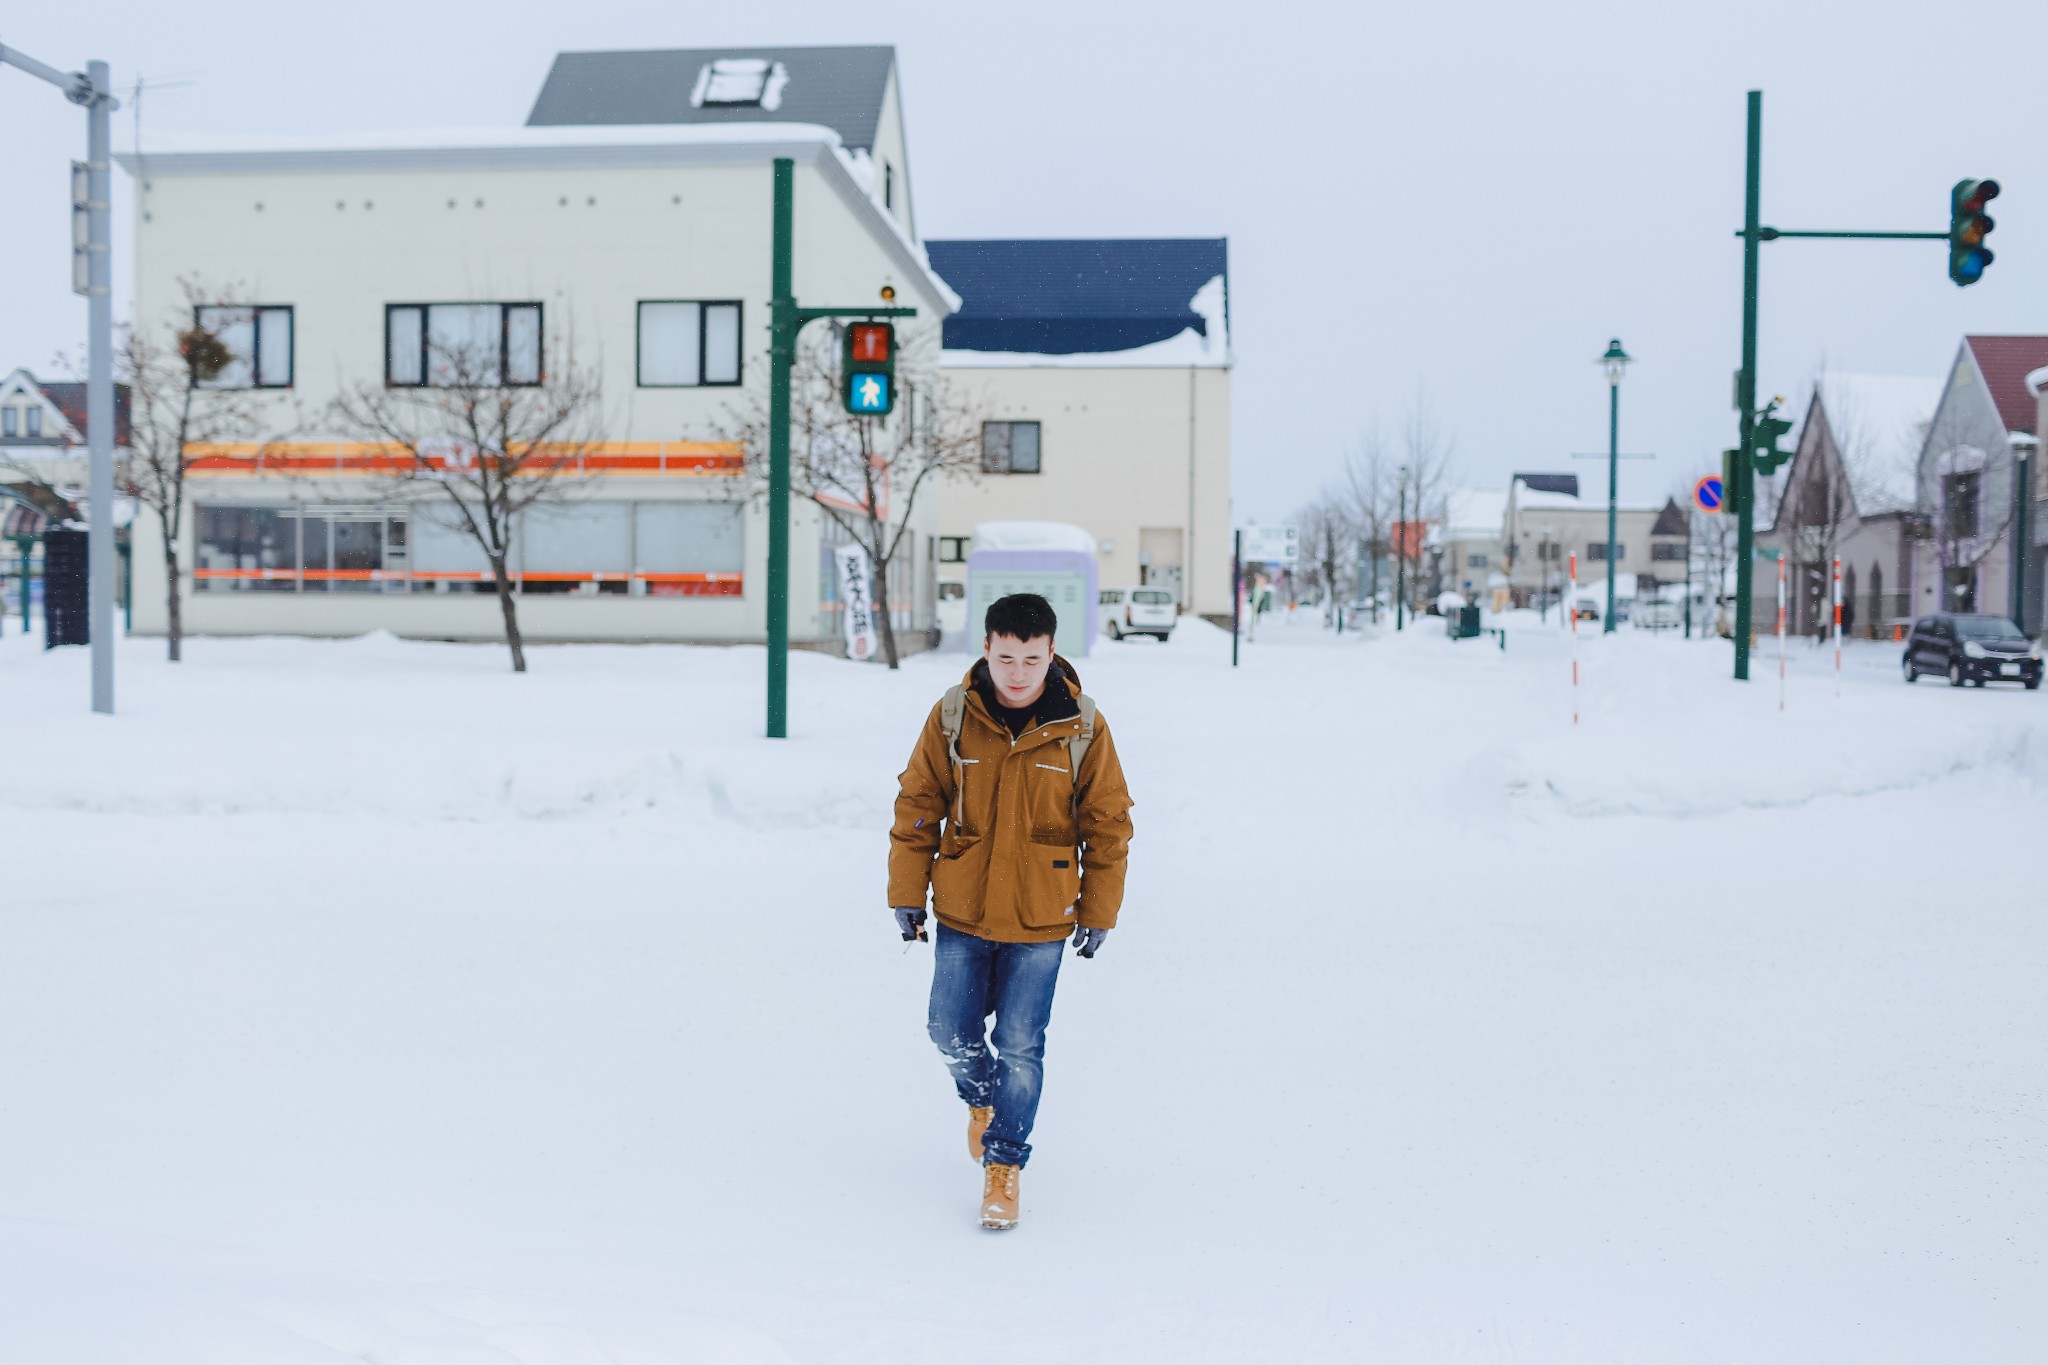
[658,584]
[351,459]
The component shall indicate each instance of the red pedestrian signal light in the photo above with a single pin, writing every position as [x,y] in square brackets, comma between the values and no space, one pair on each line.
[870,342]
[1968,226]
[868,369]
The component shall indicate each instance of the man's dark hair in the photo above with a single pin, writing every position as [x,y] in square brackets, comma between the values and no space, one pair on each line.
[1021,616]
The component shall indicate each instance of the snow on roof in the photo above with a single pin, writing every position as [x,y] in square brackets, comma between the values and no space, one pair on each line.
[1158,301]
[1475,513]
[1033,536]
[1878,422]
[174,144]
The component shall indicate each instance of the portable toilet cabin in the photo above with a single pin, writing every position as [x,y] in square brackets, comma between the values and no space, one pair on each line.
[1051,558]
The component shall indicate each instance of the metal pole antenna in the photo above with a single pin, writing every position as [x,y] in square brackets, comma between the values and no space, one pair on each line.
[1745,397]
[1613,469]
[782,360]
[99,390]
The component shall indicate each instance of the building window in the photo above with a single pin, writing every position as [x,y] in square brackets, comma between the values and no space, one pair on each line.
[1959,505]
[888,186]
[34,418]
[447,345]
[739,83]
[952,549]
[259,342]
[1668,551]
[1009,447]
[1551,550]
[1597,551]
[684,344]
[300,549]
[1475,561]
[10,421]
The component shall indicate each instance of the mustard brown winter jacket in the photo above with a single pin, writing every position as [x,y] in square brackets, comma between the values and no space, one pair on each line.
[1013,857]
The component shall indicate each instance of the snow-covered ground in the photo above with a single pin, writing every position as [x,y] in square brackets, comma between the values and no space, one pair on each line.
[361,1002]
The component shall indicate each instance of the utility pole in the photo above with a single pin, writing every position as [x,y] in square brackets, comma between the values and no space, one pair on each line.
[786,321]
[93,276]
[1236,590]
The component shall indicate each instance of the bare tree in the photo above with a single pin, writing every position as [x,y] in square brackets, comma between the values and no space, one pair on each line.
[480,448]
[1368,490]
[1328,540]
[867,473]
[180,394]
[1817,511]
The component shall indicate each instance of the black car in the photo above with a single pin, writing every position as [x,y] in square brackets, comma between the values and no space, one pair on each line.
[1971,647]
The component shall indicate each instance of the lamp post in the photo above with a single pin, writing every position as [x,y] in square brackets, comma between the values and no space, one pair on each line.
[92,276]
[1543,577]
[1615,361]
[1401,555]
[2023,494]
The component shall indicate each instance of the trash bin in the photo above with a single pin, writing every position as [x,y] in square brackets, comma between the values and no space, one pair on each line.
[65,594]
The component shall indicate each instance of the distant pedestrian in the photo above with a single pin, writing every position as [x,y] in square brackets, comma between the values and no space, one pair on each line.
[1014,814]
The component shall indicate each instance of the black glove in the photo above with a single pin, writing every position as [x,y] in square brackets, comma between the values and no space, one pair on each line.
[910,919]
[1086,941]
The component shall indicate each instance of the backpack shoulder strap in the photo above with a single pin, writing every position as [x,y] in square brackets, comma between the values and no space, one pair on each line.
[1077,747]
[952,716]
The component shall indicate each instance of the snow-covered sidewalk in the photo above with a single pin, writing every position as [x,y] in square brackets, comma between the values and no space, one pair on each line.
[362,1002]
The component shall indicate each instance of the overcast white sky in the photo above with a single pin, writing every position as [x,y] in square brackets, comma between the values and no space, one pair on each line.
[1456,199]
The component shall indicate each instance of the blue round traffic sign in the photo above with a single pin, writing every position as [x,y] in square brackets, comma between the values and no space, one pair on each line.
[1707,493]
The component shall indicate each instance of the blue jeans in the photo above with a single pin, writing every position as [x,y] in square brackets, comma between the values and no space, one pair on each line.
[973,978]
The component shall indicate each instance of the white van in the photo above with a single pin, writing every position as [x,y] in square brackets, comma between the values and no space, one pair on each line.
[1136,611]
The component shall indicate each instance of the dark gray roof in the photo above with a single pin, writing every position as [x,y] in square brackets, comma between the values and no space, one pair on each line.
[839,87]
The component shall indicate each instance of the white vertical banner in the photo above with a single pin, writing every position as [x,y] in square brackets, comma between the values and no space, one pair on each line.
[856,592]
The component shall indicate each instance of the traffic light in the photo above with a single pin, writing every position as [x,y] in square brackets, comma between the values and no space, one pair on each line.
[1769,431]
[1968,226]
[869,369]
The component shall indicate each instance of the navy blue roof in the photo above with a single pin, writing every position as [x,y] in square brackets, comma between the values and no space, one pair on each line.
[1074,296]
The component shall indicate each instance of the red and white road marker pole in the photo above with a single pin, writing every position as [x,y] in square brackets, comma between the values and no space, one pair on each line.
[1572,611]
[1781,632]
[1838,626]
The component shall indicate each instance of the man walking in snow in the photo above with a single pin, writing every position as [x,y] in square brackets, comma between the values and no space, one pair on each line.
[1013,812]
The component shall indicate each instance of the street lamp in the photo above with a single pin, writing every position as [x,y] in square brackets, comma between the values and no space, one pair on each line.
[2023,492]
[92,276]
[1616,361]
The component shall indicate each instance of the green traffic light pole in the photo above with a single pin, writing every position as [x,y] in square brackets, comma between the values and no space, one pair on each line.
[785,321]
[1753,233]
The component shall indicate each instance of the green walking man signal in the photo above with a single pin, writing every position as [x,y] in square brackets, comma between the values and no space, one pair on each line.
[1968,226]
[868,368]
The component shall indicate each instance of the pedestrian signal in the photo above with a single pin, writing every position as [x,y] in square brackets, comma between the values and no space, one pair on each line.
[1769,431]
[1968,226]
[869,368]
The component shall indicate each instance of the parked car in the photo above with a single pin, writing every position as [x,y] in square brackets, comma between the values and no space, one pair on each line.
[1136,611]
[1971,647]
[1586,609]
[1656,613]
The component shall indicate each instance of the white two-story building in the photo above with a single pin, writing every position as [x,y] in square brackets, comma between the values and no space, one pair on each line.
[625,230]
[1102,368]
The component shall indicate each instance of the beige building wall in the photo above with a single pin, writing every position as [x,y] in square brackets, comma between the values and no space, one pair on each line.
[588,232]
[1137,456]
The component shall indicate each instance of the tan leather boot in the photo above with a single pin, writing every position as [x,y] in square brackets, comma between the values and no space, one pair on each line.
[977,1124]
[999,1196]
